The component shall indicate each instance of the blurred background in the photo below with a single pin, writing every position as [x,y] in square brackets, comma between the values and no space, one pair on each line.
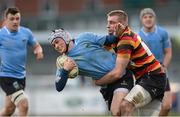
[81,96]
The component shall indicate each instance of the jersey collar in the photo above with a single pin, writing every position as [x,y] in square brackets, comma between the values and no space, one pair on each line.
[9,31]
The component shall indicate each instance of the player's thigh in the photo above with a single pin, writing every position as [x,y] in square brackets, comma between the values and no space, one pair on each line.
[14,89]
[11,85]
[138,96]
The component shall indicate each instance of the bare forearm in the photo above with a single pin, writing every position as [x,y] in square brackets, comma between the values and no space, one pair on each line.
[167,60]
[115,74]
[167,57]
[107,79]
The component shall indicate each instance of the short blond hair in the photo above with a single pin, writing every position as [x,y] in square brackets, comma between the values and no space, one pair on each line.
[147,11]
[123,17]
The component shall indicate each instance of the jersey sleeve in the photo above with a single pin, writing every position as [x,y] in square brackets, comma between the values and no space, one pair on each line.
[125,47]
[31,39]
[166,40]
[61,79]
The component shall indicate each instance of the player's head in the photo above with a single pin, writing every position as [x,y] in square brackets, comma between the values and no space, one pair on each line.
[148,18]
[114,17]
[12,18]
[60,40]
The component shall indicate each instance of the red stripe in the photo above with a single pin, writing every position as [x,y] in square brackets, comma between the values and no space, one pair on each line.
[149,68]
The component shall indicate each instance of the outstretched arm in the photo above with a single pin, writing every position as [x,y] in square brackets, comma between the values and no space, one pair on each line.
[116,73]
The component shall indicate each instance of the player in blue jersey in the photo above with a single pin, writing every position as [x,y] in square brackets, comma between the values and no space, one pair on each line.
[159,43]
[14,40]
[92,60]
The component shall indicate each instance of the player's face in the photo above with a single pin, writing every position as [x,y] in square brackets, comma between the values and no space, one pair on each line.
[12,22]
[59,45]
[112,22]
[148,21]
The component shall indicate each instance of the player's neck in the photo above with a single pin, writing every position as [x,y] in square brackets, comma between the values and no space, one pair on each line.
[149,29]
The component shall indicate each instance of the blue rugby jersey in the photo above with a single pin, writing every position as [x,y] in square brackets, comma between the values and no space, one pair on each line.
[92,59]
[157,41]
[13,51]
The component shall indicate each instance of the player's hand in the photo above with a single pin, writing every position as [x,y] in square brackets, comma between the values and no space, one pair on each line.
[38,51]
[164,68]
[118,29]
[69,64]
[39,55]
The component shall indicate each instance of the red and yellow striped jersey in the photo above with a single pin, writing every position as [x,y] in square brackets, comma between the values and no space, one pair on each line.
[141,59]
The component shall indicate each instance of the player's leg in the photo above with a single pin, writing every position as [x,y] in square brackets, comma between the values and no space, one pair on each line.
[8,108]
[120,89]
[14,89]
[167,101]
[116,102]
[21,101]
[149,87]
[136,98]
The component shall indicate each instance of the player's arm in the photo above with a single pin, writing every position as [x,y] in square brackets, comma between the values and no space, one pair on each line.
[62,74]
[61,79]
[116,73]
[167,56]
[110,39]
[167,49]
[38,51]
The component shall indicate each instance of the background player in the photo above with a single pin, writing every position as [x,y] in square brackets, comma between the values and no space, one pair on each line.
[13,51]
[159,43]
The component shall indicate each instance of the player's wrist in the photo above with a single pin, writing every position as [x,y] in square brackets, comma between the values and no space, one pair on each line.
[164,66]
[65,71]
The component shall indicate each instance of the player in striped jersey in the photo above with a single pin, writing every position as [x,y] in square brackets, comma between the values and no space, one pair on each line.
[133,53]
[156,36]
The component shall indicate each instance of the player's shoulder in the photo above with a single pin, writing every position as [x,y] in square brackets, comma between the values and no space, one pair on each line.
[25,29]
[162,31]
[2,29]
[86,35]
[160,28]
